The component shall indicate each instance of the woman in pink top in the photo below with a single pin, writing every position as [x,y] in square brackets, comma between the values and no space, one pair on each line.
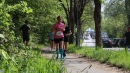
[58,29]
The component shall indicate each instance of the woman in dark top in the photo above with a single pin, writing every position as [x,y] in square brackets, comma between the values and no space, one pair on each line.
[67,33]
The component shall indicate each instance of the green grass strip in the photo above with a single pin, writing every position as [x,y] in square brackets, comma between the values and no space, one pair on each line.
[120,59]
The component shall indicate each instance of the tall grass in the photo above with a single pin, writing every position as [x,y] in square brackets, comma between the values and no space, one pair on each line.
[28,60]
[117,58]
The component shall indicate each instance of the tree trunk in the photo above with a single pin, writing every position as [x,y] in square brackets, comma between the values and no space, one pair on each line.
[71,38]
[78,33]
[97,19]
[71,21]
[127,6]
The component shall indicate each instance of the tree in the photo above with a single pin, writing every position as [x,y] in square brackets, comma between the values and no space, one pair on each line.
[69,11]
[97,19]
[74,10]
[79,8]
[115,16]
[87,17]
[127,6]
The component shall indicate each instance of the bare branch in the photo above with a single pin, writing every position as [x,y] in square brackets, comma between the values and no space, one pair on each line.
[82,3]
[66,11]
[67,4]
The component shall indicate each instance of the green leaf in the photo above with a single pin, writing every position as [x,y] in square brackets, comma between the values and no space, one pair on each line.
[4,54]
[2,36]
[29,10]
[3,1]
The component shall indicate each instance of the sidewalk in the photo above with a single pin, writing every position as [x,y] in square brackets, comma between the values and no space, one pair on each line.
[75,64]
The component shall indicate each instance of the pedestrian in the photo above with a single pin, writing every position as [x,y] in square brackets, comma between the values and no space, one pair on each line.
[58,29]
[127,38]
[51,39]
[67,33]
[25,30]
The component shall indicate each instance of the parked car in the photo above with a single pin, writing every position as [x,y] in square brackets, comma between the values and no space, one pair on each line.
[122,42]
[115,42]
[107,43]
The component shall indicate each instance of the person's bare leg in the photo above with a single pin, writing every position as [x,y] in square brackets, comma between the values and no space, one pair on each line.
[61,44]
[65,46]
[51,45]
[26,43]
[65,49]
[54,47]
[57,45]
[57,52]
[61,49]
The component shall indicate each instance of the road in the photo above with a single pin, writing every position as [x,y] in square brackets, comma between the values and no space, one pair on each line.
[89,42]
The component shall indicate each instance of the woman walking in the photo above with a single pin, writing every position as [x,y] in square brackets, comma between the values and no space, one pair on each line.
[58,29]
[51,39]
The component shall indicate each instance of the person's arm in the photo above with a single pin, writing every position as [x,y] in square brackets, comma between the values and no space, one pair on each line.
[63,29]
[29,29]
[70,32]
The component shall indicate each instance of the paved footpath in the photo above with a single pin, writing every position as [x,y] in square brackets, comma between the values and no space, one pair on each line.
[77,64]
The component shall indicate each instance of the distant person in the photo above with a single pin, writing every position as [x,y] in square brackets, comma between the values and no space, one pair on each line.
[51,39]
[58,29]
[127,38]
[67,33]
[25,30]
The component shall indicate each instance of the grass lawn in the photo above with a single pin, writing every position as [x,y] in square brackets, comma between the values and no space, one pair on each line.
[120,59]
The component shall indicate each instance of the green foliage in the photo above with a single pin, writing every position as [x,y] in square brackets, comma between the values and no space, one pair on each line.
[115,17]
[87,17]
[28,60]
[16,57]
[105,56]
[8,39]
[43,17]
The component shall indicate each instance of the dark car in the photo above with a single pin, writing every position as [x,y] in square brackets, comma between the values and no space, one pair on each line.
[107,42]
[115,42]
[122,42]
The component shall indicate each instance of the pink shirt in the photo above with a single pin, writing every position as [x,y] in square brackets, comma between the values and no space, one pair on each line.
[59,30]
